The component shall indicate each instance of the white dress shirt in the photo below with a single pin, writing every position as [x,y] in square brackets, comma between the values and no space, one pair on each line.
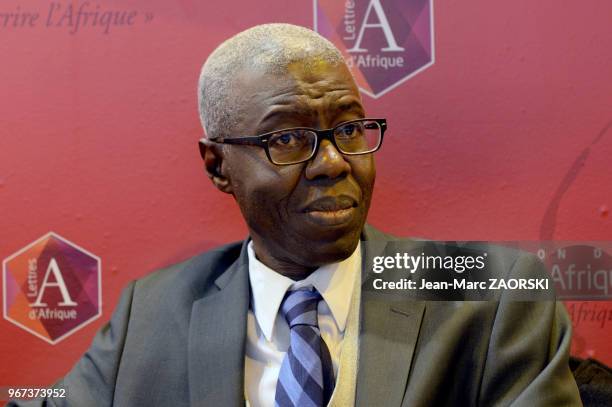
[268,332]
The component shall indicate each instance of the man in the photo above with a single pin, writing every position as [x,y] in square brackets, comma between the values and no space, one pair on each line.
[281,318]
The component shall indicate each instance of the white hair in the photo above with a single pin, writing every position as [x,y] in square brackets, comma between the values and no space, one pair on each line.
[271,47]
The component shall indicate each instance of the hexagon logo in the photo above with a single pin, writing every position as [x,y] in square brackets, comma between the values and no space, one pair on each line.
[52,288]
[384,42]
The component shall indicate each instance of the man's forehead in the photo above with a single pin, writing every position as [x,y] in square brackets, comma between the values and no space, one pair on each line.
[314,80]
[266,99]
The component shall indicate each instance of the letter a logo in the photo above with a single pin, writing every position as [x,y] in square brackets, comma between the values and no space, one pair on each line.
[384,42]
[383,23]
[59,282]
[52,288]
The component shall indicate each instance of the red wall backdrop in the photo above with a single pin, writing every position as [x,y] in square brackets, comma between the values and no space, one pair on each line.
[98,139]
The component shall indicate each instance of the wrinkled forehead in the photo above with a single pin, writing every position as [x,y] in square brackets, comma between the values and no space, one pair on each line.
[310,86]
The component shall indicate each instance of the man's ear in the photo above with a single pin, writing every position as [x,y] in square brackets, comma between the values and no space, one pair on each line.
[213,159]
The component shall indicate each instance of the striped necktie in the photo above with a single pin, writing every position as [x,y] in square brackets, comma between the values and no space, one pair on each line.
[306,377]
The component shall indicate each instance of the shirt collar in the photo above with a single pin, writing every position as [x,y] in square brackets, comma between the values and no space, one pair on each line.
[334,282]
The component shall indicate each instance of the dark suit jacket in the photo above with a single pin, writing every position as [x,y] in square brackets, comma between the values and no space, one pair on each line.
[177,338]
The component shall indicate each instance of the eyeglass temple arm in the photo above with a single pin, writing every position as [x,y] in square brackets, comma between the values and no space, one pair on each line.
[253,141]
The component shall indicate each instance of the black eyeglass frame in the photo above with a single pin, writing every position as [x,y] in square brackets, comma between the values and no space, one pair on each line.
[324,134]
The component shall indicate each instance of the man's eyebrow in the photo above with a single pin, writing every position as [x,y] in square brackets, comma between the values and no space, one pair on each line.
[353,105]
[278,112]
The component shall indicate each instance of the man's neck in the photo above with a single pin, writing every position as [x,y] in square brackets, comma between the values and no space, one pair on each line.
[283,266]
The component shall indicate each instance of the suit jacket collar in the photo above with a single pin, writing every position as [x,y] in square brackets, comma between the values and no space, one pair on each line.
[217,337]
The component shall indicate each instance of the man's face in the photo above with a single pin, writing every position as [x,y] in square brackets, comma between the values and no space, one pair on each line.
[311,213]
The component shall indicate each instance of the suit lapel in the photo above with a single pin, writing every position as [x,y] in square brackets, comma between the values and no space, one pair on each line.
[389,331]
[217,333]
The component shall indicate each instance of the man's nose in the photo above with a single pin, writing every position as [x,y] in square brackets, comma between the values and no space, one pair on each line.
[328,163]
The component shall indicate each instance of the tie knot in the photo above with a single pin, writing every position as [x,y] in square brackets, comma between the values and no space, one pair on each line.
[300,307]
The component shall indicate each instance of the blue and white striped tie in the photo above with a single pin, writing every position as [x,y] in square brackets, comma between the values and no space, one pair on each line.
[306,377]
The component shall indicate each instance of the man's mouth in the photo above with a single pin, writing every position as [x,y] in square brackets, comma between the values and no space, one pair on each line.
[331,211]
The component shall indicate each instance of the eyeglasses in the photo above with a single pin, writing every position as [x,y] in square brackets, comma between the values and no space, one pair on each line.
[299,144]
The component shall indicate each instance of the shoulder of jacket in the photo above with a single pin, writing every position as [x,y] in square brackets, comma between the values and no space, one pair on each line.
[191,275]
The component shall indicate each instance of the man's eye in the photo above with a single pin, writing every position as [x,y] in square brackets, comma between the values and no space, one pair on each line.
[349,130]
[291,139]
[286,138]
